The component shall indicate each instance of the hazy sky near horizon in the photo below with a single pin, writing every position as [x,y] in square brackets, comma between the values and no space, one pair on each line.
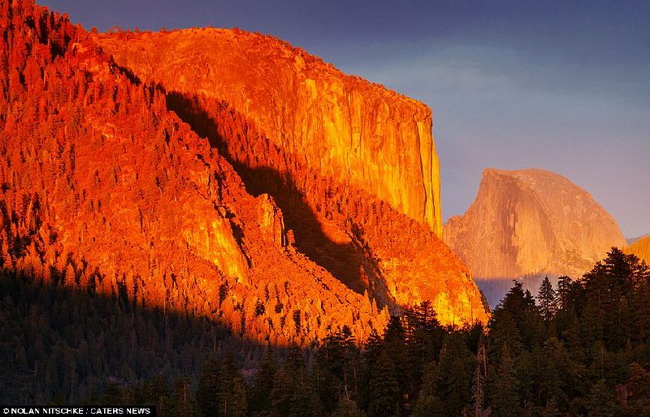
[558,85]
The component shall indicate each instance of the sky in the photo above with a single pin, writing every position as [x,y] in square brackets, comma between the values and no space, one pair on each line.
[557,85]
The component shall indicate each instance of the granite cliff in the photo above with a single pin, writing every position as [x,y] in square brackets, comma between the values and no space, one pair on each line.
[352,166]
[104,188]
[331,124]
[531,222]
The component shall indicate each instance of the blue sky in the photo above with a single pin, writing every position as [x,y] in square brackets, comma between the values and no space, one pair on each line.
[558,85]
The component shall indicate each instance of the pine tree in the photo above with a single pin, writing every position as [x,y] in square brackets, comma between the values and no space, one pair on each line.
[182,400]
[516,321]
[424,336]
[339,368]
[395,347]
[429,405]
[263,383]
[370,353]
[304,401]
[238,403]
[327,386]
[155,392]
[335,354]
[383,388]
[640,308]
[564,292]
[601,401]
[638,389]
[207,395]
[504,396]
[478,394]
[547,300]
[347,408]
[504,330]
[453,379]
[232,390]
[558,374]
[281,394]
[618,329]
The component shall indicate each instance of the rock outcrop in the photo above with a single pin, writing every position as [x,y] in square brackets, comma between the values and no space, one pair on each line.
[334,125]
[102,187]
[352,165]
[531,222]
[640,248]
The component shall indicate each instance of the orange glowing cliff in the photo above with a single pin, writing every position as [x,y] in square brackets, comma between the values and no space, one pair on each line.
[640,248]
[253,184]
[531,222]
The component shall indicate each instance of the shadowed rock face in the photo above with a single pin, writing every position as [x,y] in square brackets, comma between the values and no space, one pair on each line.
[531,222]
[351,165]
[339,126]
[103,188]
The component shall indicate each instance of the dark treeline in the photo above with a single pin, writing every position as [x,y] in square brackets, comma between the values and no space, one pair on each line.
[63,345]
[580,349]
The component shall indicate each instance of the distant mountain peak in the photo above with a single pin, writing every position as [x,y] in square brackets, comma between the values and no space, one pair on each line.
[531,222]
[641,248]
[632,240]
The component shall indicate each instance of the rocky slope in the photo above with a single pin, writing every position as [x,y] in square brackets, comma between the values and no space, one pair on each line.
[352,165]
[103,188]
[531,222]
[339,127]
[640,248]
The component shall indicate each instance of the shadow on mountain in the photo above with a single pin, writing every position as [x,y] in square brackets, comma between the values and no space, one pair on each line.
[65,345]
[346,262]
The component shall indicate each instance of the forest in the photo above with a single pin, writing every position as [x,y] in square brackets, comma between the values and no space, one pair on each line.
[580,348]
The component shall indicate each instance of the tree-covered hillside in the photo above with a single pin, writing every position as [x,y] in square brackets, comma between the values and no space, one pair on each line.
[580,349]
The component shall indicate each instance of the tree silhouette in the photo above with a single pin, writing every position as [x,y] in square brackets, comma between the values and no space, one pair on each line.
[547,299]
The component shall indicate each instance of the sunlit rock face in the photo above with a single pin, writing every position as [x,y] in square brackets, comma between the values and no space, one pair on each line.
[338,126]
[531,222]
[103,188]
[351,165]
[640,248]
